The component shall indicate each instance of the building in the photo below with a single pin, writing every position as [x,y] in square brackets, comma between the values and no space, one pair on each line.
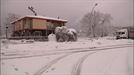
[29,26]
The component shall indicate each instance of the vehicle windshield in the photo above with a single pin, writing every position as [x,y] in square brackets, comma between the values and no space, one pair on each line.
[120,33]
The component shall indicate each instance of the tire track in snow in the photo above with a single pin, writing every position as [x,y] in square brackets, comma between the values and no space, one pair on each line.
[78,66]
[74,50]
[44,68]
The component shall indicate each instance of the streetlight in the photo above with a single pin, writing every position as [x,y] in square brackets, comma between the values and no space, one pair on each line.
[92,19]
[94,7]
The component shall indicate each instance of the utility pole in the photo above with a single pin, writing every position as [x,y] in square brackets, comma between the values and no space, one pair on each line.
[6,31]
[0,32]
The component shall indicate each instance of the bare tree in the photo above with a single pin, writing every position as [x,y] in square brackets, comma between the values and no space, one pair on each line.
[96,24]
[8,26]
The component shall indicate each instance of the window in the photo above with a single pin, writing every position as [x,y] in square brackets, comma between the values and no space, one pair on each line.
[50,25]
[27,22]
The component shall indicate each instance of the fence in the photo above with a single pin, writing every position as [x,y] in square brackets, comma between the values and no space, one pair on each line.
[41,38]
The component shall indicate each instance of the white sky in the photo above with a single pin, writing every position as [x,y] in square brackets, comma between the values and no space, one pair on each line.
[72,10]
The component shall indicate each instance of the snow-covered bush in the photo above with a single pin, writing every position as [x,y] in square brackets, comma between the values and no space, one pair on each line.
[65,34]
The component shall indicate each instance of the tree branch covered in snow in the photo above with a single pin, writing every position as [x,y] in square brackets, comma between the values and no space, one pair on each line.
[96,24]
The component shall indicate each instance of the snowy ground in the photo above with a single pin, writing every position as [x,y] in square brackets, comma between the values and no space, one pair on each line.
[110,62]
[18,46]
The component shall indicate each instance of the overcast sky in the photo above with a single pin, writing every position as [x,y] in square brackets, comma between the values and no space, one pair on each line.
[71,10]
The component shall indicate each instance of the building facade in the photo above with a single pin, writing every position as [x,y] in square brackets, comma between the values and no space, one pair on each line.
[33,26]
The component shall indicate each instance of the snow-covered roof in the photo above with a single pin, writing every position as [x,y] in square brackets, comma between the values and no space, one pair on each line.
[40,17]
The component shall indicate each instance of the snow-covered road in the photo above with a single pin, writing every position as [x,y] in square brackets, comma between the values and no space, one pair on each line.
[82,58]
[113,62]
[109,62]
[16,55]
[106,62]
